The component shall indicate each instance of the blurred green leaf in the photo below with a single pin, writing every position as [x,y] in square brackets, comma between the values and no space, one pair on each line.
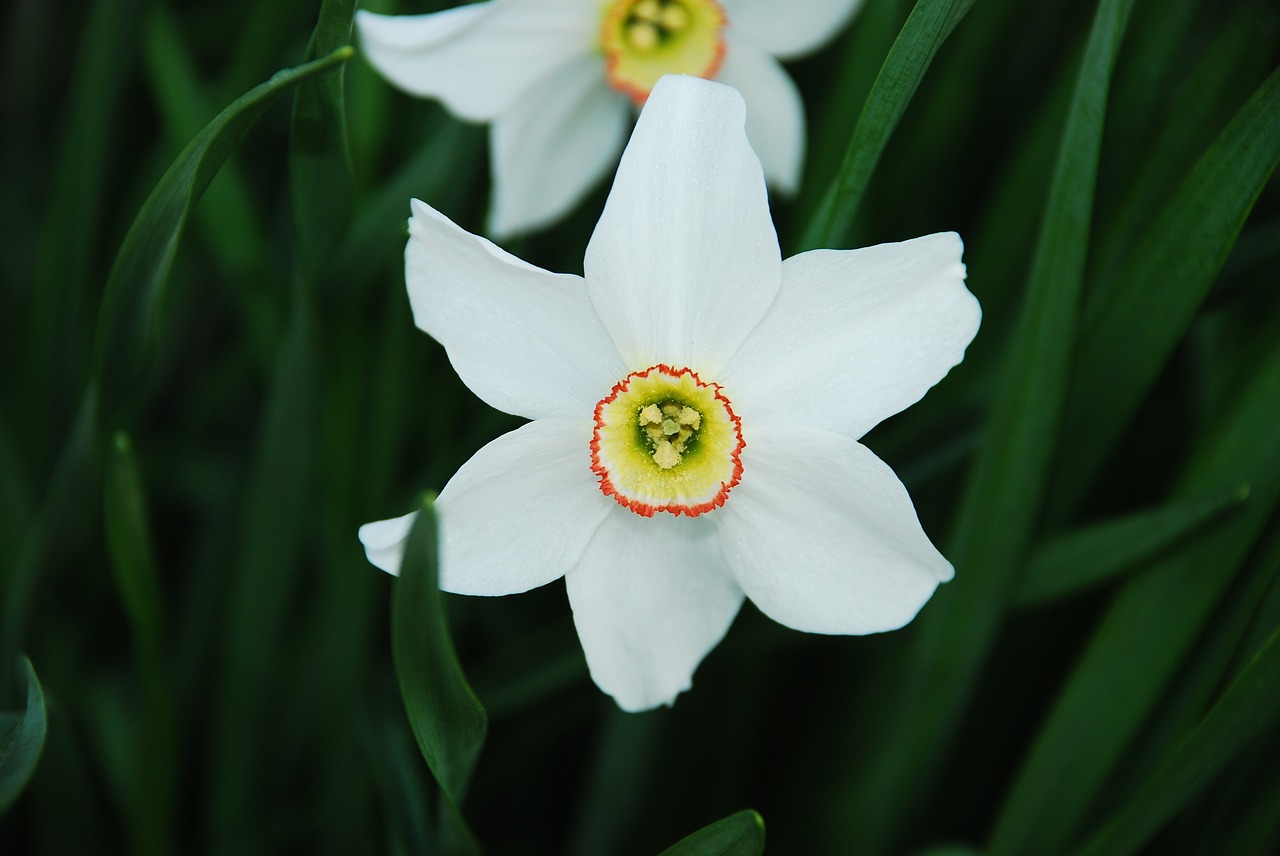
[1127,336]
[129,542]
[1248,706]
[1145,635]
[1005,489]
[740,834]
[448,720]
[1096,554]
[21,739]
[320,175]
[132,556]
[137,279]
[926,28]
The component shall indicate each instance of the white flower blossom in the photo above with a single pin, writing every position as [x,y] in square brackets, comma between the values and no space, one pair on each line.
[695,404]
[558,80]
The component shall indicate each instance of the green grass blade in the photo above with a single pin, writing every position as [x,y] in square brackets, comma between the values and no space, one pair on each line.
[927,27]
[1249,706]
[448,720]
[133,561]
[1004,492]
[137,279]
[320,173]
[1129,335]
[1095,555]
[740,834]
[21,740]
[1145,635]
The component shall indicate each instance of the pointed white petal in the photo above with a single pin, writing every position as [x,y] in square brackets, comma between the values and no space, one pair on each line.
[822,536]
[521,511]
[684,261]
[650,597]
[855,336]
[526,341]
[555,146]
[478,59]
[775,113]
[384,541]
[792,29]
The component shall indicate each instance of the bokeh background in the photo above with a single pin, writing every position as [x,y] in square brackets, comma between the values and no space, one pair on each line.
[195,418]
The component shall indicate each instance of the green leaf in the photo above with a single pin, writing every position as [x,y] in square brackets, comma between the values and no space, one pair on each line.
[141,268]
[448,720]
[21,739]
[740,834]
[1128,336]
[320,173]
[129,544]
[1246,709]
[1145,635]
[1006,488]
[1095,555]
[133,561]
[927,27]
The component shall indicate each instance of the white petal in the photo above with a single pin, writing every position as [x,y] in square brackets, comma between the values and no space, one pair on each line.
[384,541]
[521,511]
[792,29]
[526,341]
[478,59]
[775,113]
[555,146]
[684,261]
[855,335]
[650,597]
[822,536]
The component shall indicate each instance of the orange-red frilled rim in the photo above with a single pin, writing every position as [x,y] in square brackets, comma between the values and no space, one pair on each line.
[645,39]
[666,441]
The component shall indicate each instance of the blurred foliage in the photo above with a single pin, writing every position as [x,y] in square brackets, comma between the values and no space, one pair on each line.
[197,415]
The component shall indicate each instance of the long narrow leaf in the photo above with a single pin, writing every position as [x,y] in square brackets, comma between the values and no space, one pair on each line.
[1094,556]
[1006,488]
[1144,636]
[448,720]
[740,834]
[928,26]
[21,739]
[1249,705]
[1127,338]
[320,173]
[137,279]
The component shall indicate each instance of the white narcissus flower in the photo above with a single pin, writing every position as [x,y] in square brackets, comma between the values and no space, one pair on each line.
[557,79]
[695,404]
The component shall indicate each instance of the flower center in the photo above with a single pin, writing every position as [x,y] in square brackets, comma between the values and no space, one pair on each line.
[645,39]
[666,441]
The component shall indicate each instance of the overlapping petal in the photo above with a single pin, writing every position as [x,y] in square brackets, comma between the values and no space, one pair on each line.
[775,112]
[791,29]
[684,260]
[479,59]
[855,335]
[822,536]
[520,513]
[384,541]
[553,146]
[526,341]
[650,597]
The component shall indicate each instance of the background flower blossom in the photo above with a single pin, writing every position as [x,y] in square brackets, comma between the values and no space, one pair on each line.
[558,79]
[803,356]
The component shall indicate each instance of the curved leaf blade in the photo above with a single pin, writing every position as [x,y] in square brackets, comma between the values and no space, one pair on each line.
[740,834]
[448,721]
[138,276]
[21,740]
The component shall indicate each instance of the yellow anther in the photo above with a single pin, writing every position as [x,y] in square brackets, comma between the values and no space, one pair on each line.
[647,10]
[643,36]
[674,17]
[690,418]
[665,455]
